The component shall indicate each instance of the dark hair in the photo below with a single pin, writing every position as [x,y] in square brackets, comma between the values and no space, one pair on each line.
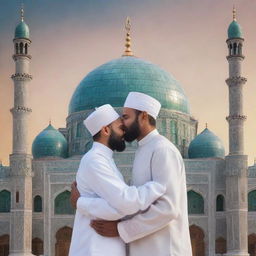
[151,120]
[96,136]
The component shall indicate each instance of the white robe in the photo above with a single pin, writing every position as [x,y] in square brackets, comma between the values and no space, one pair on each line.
[163,229]
[98,176]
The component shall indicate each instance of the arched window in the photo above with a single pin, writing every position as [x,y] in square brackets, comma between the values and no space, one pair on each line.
[63,239]
[220,202]
[235,49]
[252,201]
[197,240]
[21,48]
[37,246]
[17,48]
[5,201]
[195,203]
[240,49]
[62,204]
[230,49]
[38,204]
[220,245]
[26,48]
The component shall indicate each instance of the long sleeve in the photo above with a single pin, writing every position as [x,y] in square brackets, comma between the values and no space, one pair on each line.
[98,207]
[167,169]
[107,185]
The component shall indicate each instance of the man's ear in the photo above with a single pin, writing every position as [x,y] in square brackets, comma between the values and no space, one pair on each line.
[105,131]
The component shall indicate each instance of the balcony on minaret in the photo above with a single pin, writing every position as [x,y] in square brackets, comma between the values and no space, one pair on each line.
[235,47]
[21,48]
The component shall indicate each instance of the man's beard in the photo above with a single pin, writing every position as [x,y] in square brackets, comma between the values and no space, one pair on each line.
[133,132]
[115,142]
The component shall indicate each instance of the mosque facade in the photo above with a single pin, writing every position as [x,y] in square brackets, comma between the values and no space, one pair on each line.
[35,213]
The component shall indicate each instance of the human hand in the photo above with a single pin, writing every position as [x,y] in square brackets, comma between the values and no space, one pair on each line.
[74,194]
[105,227]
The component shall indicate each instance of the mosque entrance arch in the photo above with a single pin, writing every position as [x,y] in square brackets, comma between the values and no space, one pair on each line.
[252,244]
[197,240]
[4,245]
[63,239]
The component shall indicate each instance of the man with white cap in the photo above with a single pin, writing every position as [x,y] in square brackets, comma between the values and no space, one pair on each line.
[98,177]
[163,229]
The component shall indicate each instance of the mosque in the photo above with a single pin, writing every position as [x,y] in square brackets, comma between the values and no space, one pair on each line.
[35,213]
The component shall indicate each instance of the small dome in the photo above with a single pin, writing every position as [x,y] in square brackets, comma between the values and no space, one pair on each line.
[206,144]
[234,30]
[22,30]
[49,143]
[112,81]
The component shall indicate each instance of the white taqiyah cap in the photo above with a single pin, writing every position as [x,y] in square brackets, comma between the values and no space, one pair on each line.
[102,116]
[143,102]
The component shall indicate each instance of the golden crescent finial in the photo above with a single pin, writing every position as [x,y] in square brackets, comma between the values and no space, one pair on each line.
[50,121]
[234,12]
[206,125]
[128,51]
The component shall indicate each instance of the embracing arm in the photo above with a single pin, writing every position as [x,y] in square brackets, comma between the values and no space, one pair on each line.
[117,199]
[167,167]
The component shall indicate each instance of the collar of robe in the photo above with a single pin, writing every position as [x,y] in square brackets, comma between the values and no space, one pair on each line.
[148,137]
[106,151]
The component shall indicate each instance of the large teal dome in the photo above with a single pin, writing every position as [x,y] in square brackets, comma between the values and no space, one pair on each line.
[206,144]
[234,30]
[49,143]
[111,83]
[22,30]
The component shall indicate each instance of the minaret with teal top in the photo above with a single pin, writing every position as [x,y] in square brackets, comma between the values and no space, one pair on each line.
[20,159]
[236,160]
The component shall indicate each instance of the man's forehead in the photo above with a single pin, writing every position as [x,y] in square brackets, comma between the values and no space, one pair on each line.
[127,111]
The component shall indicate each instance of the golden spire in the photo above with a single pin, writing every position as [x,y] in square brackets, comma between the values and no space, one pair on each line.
[22,12]
[50,121]
[128,51]
[234,13]
[206,125]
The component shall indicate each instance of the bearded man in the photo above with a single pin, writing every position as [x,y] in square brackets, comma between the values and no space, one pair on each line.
[163,228]
[99,178]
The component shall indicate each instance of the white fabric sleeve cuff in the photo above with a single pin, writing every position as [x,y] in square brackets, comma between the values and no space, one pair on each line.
[122,233]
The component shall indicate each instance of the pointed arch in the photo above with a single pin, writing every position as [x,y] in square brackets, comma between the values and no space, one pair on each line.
[62,203]
[195,203]
[5,201]
[252,201]
[220,203]
[21,48]
[63,239]
[38,204]
[197,240]
[220,245]
[26,48]
[37,246]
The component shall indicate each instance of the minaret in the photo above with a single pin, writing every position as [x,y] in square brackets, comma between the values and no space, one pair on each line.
[236,161]
[20,159]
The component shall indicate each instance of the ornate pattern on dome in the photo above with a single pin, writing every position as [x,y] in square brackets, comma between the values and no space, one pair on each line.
[49,143]
[111,83]
[206,144]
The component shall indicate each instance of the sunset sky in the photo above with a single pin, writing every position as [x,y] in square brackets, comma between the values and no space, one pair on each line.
[71,38]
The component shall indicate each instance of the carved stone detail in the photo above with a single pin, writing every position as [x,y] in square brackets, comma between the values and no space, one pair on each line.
[235,81]
[21,77]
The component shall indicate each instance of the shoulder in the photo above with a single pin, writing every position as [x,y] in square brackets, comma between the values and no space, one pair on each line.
[163,145]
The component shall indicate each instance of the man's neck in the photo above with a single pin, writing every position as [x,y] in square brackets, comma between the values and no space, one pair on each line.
[145,132]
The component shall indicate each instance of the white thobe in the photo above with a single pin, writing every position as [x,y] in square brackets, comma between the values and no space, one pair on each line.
[162,230]
[98,176]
